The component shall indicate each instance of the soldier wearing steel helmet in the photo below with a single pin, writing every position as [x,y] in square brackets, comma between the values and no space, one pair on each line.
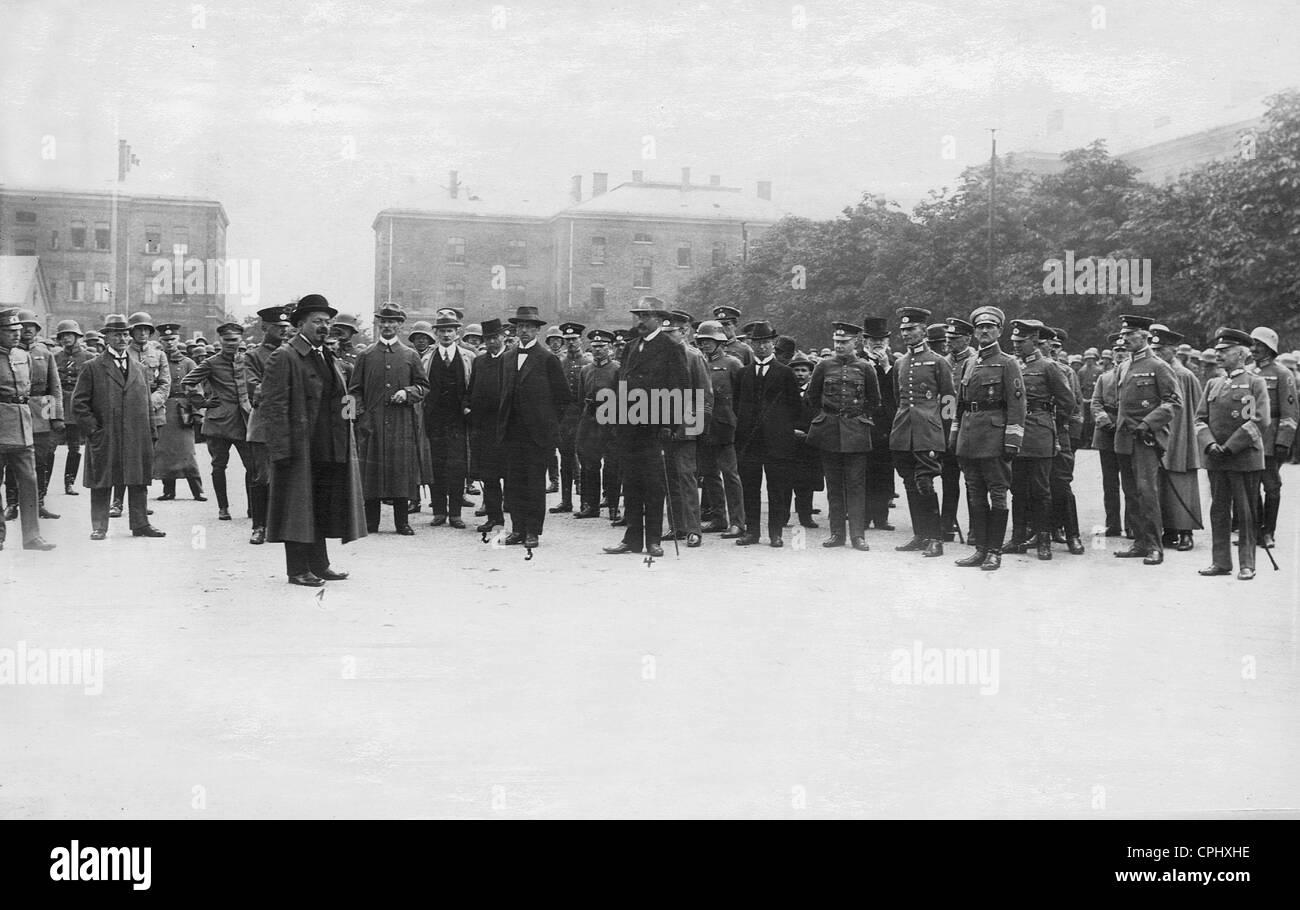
[1281,429]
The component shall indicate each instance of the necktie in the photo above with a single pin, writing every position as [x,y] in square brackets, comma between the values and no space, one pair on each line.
[121,364]
[762,370]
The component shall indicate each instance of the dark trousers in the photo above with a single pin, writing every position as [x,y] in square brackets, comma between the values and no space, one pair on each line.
[988,481]
[780,488]
[806,478]
[137,508]
[722,490]
[846,491]
[1031,494]
[599,473]
[400,518]
[492,499]
[258,484]
[1064,513]
[20,464]
[879,484]
[568,461]
[683,486]
[1233,491]
[951,475]
[1139,473]
[525,481]
[1270,478]
[447,459]
[1110,490]
[219,448]
[918,471]
[301,558]
[43,457]
[196,488]
[641,466]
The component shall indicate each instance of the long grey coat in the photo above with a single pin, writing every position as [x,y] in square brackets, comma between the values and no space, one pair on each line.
[114,413]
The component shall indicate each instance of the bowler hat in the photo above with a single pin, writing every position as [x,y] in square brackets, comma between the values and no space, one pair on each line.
[527,314]
[760,331]
[312,303]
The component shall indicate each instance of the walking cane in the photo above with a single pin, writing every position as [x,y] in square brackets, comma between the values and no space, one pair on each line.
[668,503]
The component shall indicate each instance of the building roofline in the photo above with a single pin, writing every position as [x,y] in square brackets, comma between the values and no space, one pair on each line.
[576,213]
[452,215]
[107,194]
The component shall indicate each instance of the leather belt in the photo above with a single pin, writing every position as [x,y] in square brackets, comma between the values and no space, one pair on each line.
[975,407]
[1039,409]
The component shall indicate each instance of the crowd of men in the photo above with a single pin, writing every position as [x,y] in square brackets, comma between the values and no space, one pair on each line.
[329,432]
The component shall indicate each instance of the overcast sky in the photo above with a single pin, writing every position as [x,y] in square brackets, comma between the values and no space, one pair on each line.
[304,120]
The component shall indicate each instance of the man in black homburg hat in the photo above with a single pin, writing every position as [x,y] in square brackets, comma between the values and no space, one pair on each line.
[315,489]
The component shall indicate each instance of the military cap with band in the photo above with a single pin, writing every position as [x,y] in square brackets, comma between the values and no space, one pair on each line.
[959,326]
[1061,334]
[845,331]
[1022,329]
[571,330]
[725,312]
[624,334]
[1046,333]
[1227,338]
[1129,323]
[9,319]
[600,335]
[169,328]
[987,314]
[912,315]
[937,332]
[275,315]
[1163,335]
[226,327]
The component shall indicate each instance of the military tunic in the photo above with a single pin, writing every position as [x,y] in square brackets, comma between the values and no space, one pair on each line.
[1148,395]
[1279,434]
[173,456]
[844,392]
[387,444]
[1234,413]
[989,431]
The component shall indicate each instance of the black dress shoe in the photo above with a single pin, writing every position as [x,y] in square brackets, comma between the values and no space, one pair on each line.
[466,503]
[259,537]
[733,532]
[200,498]
[457,523]
[693,540]
[331,575]
[588,512]
[372,529]
[166,497]
[70,490]
[147,531]
[408,531]
[775,541]
[948,537]
[1114,532]
[485,527]
[38,543]
[748,540]
[531,542]
[1058,536]
[113,512]
[1184,541]
[884,526]
[808,523]
[223,515]
[306,579]
[1245,574]
[916,543]
[413,507]
[1075,545]
[860,543]
[835,540]
[713,527]
[1154,558]
[992,561]
[46,513]
[655,550]
[1044,546]
[480,513]
[619,549]
[619,522]
[562,507]
[1265,539]
[554,487]
[97,535]
[933,548]
[1131,553]
[1213,571]
[513,539]
[972,561]
[438,521]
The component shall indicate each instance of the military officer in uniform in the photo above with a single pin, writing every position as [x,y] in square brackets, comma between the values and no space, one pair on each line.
[46,407]
[275,333]
[226,404]
[1046,392]
[880,463]
[17,451]
[594,441]
[1105,411]
[844,392]
[71,356]
[173,456]
[1280,430]
[572,360]
[988,431]
[1230,425]
[728,317]
[924,389]
[1088,374]
[722,494]
[345,328]
[1148,397]
[960,355]
[1065,512]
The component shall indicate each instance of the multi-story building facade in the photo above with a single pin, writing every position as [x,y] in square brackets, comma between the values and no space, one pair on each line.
[104,253]
[587,262]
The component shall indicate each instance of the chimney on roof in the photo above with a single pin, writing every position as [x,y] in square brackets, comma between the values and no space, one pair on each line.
[638,176]
[765,190]
[575,193]
[599,183]
[715,180]
[686,177]
[453,183]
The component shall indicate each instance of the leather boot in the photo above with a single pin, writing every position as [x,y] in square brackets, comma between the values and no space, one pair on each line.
[992,559]
[1184,541]
[1019,542]
[219,491]
[973,560]
[70,473]
[933,547]
[1044,545]
[169,491]
[996,529]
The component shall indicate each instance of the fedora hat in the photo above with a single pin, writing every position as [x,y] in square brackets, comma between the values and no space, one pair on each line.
[760,331]
[113,322]
[527,314]
[446,322]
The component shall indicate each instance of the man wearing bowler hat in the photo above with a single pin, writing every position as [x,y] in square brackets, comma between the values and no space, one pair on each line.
[768,409]
[925,393]
[112,405]
[486,458]
[446,408]
[1148,396]
[533,397]
[1281,429]
[1230,426]
[315,488]
[275,330]
[652,365]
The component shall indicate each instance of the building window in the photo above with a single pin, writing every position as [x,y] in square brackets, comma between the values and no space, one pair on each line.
[641,274]
[54,240]
[597,250]
[102,239]
[152,239]
[597,297]
[515,295]
[642,238]
[100,288]
[180,241]
[77,288]
[683,255]
[517,253]
[78,233]
[454,292]
[24,246]
[719,253]
[456,251]
[25,217]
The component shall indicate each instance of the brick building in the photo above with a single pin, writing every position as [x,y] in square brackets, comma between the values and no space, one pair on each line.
[587,262]
[91,270]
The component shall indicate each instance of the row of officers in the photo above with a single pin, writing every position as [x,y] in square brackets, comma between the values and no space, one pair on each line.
[439,409]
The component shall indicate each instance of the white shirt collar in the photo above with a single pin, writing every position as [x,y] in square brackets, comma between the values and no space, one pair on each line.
[525,347]
[389,342]
[762,363]
[652,334]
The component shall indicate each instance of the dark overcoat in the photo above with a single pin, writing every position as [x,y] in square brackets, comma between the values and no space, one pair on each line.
[292,395]
[536,394]
[767,411]
[388,435]
[114,412]
[486,461]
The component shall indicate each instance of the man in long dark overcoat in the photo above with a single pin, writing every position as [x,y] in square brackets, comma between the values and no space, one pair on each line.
[486,459]
[315,488]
